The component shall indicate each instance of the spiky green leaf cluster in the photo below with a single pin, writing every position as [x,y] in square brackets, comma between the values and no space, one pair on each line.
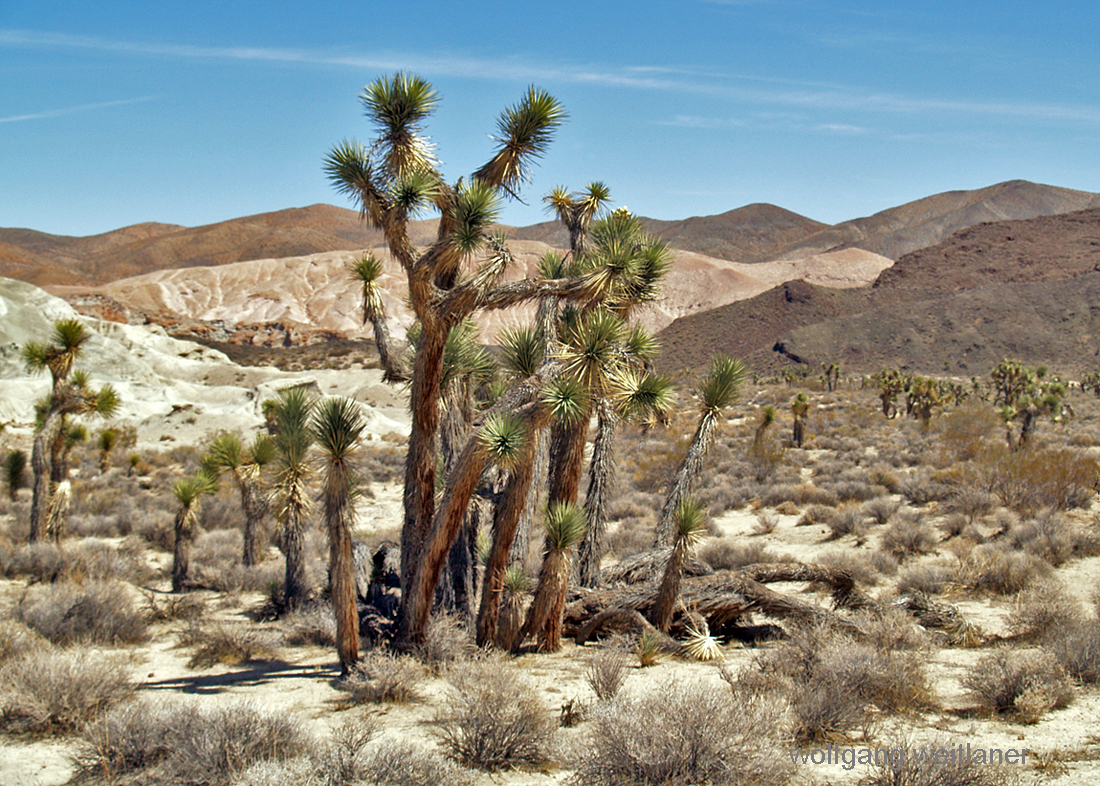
[503,437]
[564,526]
[722,386]
[337,425]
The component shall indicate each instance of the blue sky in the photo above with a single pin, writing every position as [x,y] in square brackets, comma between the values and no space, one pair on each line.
[114,113]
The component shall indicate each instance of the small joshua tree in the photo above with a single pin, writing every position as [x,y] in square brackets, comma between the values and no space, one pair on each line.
[227,454]
[71,394]
[188,492]
[690,522]
[800,409]
[564,526]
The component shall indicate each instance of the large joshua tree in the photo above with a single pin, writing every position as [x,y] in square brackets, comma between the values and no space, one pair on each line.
[720,389]
[337,426]
[227,454]
[394,180]
[291,413]
[70,394]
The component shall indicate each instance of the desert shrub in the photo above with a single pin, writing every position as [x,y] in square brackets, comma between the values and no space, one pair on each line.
[993,568]
[683,733]
[446,642]
[766,522]
[787,508]
[165,742]
[605,672]
[1042,610]
[971,502]
[885,477]
[1047,536]
[636,504]
[1077,649]
[384,677]
[857,566]
[881,509]
[815,514]
[166,608]
[17,639]
[884,563]
[838,680]
[910,763]
[969,430]
[80,560]
[1032,479]
[731,554]
[400,763]
[909,535]
[925,579]
[632,536]
[800,494]
[1022,683]
[845,520]
[100,612]
[920,489]
[229,644]
[56,691]
[722,494]
[314,624]
[493,718]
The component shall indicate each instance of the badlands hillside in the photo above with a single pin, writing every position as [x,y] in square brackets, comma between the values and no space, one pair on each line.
[760,282]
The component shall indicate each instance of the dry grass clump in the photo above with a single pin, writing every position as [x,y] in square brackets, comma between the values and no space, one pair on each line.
[845,520]
[1044,610]
[920,488]
[910,763]
[1077,649]
[924,579]
[1025,684]
[881,509]
[684,733]
[856,565]
[909,535]
[163,742]
[815,514]
[446,642]
[839,682]
[493,718]
[99,612]
[993,567]
[52,691]
[166,608]
[766,522]
[384,678]
[216,564]
[731,554]
[17,639]
[1048,537]
[605,672]
[229,644]
[313,624]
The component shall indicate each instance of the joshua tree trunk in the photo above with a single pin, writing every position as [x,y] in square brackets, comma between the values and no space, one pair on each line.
[566,460]
[685,477]
[601,474]
[342,577]
[420,463]
[296,582]
[41,466]
[505,524]
[181,555]
[669,593]
[544,618]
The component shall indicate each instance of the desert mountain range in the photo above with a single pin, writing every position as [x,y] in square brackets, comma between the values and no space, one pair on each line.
[951,282]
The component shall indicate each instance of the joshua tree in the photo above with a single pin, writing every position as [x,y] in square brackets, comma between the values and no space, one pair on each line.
[367,270]
[564,526]
[227,454]
[293,438]
[15,472]
[1025,395]
[71,394]
[188,492]
[106,442]
[922,398]
[890,383]
[800,408]
[393,180]
[337,426]
[689,522]
[720,389]
[830,374]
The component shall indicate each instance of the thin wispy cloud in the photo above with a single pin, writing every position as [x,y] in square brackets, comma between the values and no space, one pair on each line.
[735,87]
[69,110]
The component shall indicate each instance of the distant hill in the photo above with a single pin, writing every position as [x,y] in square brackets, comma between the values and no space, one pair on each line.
[1026,288]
